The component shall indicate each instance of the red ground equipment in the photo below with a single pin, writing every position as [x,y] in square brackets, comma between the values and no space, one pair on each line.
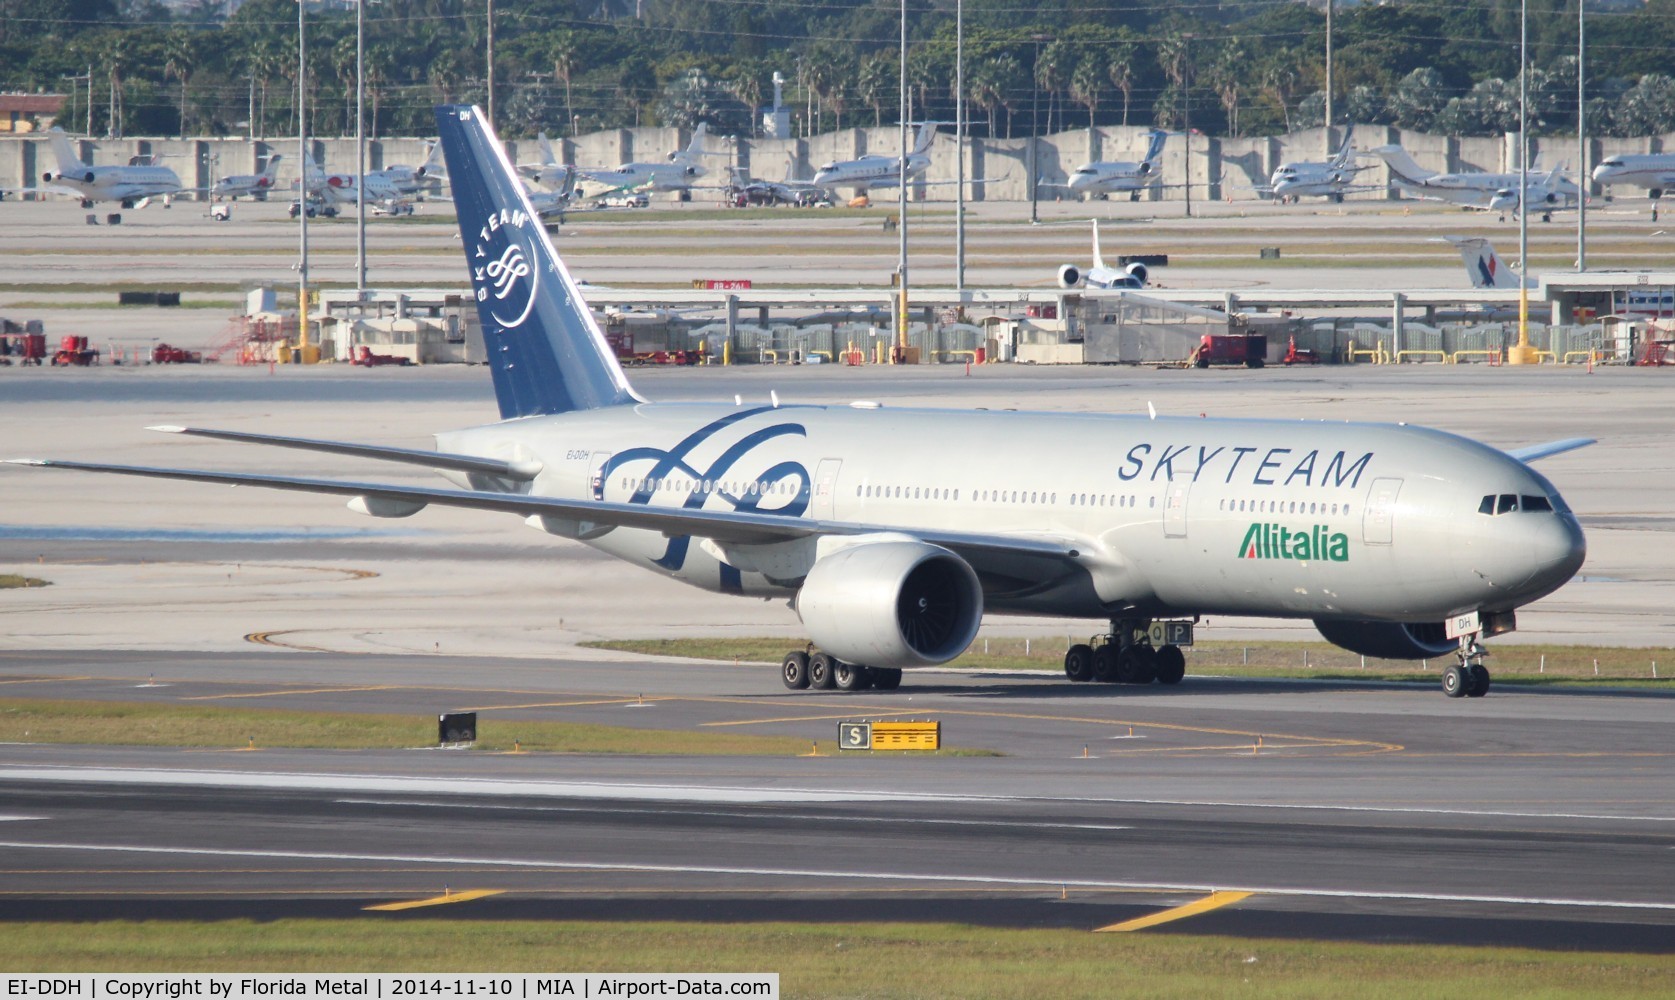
[73,350]
[1294,356]
[164,354]
[1657,354]
[367,359]
[23,348]
[1250,350]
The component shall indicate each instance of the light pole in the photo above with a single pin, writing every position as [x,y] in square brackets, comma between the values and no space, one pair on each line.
[1522,353]
[1186,114]
[1581,138]
[959,145]
[490,62]
[1326,133]
[302,185]
[360,150]
[901,195]
[1035,128]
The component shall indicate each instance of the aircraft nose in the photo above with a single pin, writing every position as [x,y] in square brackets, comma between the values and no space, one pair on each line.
[1557,549]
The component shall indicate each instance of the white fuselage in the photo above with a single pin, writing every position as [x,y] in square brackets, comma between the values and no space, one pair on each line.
[124,184]
[1106,176]
[676,176]
[871,171]
[1654,171]
[1497,192]
[1308,180]
[1170,516]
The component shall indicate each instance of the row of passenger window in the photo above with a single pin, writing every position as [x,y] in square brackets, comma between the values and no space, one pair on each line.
[870,492]
[1506,503]
[752,488]
[1284,507]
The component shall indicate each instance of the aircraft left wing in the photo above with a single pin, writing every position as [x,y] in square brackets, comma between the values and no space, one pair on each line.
[1535,451]
[727,527]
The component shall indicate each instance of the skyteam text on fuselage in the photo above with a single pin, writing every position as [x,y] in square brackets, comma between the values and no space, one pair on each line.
[892,531]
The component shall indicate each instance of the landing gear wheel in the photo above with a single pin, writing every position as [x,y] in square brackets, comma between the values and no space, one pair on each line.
[821,672]
[1478,675]
[793,670]
[1134,665]
[1454,682]
[1171,665]
[886,678]
[850,676]
[1078,663]
[1105,664]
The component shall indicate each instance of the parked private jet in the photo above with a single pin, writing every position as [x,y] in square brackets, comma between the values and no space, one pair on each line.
[891,531]
[1100,275]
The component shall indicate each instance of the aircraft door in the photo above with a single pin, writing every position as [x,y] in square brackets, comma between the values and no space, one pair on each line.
[596,474]
[1378,523]
[1174,508]
[825,488]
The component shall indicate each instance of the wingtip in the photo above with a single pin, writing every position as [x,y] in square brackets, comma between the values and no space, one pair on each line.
[167,428]
[24,461]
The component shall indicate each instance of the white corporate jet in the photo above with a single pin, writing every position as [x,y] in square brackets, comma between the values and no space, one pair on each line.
[892,531]
[337,191]
[1653,171]
[682,170]
[408,179]
[1478,189]
[879,170]
[130,185]
[1100,275]
[1332,179]
[256,186]
[1115,176]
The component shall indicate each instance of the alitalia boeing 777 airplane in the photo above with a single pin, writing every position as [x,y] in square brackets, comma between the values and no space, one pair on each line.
[893,531]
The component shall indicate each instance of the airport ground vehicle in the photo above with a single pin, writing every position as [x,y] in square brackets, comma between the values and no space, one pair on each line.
[1250,350]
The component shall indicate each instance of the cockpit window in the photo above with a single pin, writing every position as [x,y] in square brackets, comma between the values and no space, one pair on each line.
[1506,503]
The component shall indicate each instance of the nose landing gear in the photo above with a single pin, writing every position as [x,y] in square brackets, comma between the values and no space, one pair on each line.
[1469,678]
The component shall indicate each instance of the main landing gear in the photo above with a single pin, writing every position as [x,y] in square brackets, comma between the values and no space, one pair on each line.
[1125,656]
[1469,678]
[824,672]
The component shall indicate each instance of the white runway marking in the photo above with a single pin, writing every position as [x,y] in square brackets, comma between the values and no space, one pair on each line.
[20,819]
[396,784]
[815,873]
[737,815]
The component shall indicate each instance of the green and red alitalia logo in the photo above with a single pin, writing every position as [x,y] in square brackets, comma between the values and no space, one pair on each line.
[1275,541]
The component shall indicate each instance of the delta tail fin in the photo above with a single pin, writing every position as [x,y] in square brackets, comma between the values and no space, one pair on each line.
[70,163]
[1483,265]
[546,352]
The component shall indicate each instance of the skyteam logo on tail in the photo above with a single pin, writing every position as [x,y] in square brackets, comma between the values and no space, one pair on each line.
[500,270]
[1273,541]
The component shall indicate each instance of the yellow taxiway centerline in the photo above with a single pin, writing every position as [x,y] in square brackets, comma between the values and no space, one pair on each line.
[452,897]
[279,694]
[1214,901]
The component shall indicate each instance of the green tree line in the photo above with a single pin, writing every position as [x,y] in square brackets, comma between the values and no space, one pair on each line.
[1234,67]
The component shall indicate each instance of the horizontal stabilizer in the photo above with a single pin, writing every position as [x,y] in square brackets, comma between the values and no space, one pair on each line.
[518,471]
[1536,451]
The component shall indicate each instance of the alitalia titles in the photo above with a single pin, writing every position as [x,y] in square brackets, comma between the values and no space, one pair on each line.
[1275,541]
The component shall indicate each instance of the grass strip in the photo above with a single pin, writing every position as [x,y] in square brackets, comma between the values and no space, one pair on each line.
[881,960]
[25,720]
[1545,664]
[12,581]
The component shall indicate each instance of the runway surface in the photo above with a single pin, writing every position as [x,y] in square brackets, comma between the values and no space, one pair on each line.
[1369,812]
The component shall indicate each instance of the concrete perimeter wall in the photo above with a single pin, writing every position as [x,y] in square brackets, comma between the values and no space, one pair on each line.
[1221,169]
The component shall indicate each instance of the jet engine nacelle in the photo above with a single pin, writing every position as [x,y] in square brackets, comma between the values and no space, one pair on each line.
[1389,640]
[1069,276]
[892,604]
[1138,272]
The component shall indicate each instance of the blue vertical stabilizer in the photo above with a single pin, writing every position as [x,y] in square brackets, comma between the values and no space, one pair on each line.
[546,352]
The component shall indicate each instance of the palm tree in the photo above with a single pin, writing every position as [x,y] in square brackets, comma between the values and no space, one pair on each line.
[179,60]
[1086,81]
[983,89]
[876,82]
[1009,80]
[1226,75]
[1052,74]
[566,52]
[1121,68]
[343,66]
[1173,51]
